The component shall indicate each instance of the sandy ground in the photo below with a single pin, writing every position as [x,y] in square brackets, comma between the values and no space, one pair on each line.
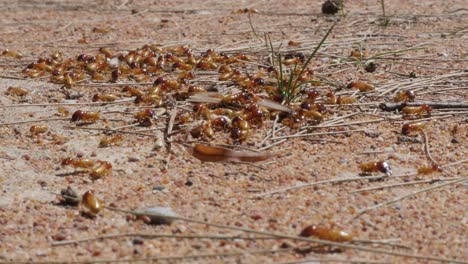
[432,223]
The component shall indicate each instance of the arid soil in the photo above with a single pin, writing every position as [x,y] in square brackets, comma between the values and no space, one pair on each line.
[422,49]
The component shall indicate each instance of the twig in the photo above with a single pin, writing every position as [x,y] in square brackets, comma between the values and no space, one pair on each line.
[110,130]
[33,121]
[150,236]
[361,212]
[296,238]
[401,184]
[435,105]
[310,184]
[69,104]
[320,134]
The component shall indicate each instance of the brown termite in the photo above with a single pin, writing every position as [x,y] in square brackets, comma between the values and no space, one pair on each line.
[376,166]
[429,169]
[326,233]
[91,202]
[100,169]
[358,54]
[204,130]
[342,100]
[404,96]
[132,91]
[38,129]
[149,99]
[115,75]
[106,52]
[17,91]
[144,114]
[110,140]
[104,97]
[292,43]
[423,110]
[216,154]
[406,129]
[100,30]
[12,53]
[78,163]
[63,111]
[361,86]
[85,116]
[330,98]
[220,122]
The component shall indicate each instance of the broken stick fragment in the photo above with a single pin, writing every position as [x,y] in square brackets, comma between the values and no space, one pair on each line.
[218,154]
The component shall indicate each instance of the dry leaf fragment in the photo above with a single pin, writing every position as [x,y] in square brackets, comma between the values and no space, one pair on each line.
[217,154]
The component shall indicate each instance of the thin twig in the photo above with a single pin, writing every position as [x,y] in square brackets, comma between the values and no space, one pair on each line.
[400,184]
[435,105]
[151,236]
[33,121]
[296,238]
[361,212]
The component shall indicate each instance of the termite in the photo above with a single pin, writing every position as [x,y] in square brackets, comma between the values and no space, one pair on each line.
[292,43]
[404,96]
[361,86]
[104,97]
[429,169]
[85,116]
[381,166]
[358,54]
[100,30]
[100,169]
[423,110]
[110,140]
[12,53]
[78,163]
[144,117]
[342,100]
[17,91]
[325,233]
[406,129]
[132,91]
[91,202]
[63,111]
[38,129]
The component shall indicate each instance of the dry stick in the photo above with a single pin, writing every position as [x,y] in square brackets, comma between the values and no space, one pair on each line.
[149,236]
[110,130]
[34,121]
[317,260]
[349,179]
[150,259]
[310,184]
[434,105]
[410,84]
[401,184]
[348,124]
[361,212]
[69,104]
[320,134]
[296,238]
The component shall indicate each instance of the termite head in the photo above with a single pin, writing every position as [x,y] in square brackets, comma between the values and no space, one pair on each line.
[66,161]
[384,167]
[77,116]
[426,108]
